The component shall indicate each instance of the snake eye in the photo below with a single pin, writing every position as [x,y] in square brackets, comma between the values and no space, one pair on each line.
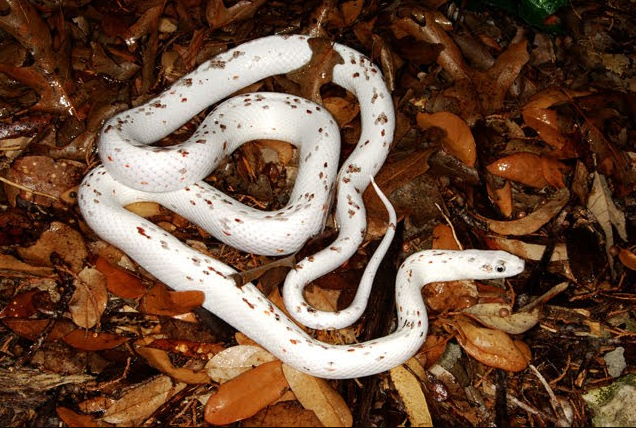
[500,268]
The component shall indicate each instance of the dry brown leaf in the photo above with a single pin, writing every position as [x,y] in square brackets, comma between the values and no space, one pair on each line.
[33,328]
[501,197]
[160,360]
[120,282]
[529,169]
[627,258]
[219,16]
[533,221]
[138,403]
[525,250]
[344,110]
[283,414]
[500,317]
[74,419]
[350,11]
[161,301]
[458,141]
[93,341]
[609,217]
[233,361]
[61,239]
[10,263]
[144,209]
[284,150]
[444,239]
[493,348]
[317,394]
[246,394]
[318,71]
[552,96]
[408,385]
[432,349]
[89,299]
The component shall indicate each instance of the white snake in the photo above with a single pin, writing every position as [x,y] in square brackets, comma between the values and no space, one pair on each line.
[133,171]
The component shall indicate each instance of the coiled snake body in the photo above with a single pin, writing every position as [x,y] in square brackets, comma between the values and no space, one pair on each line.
[134,171]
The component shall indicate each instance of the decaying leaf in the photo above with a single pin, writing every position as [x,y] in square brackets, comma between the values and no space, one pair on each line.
[219,16]
[316,394]
[408,385]
[246,394]
[10,263]
[494,348]
[74,419]
[87,340]
[139,402]
[235,360]
[89,299]
[609,217]
[526,250]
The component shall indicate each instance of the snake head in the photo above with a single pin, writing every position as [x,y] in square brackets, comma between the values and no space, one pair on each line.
[499,264]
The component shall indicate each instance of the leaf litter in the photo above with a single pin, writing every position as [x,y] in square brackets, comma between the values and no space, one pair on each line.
[509,136]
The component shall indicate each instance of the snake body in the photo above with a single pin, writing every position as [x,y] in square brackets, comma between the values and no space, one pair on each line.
[134,171]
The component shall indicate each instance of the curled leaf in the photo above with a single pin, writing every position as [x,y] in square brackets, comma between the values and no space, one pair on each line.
[500,316]
[458,141]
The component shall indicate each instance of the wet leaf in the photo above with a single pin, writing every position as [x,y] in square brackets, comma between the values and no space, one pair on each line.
[89,298]
[21,306]
[627,258]
[33,328]
[246,394]
[493,348]
[317,394]
[458,141]
[529,169]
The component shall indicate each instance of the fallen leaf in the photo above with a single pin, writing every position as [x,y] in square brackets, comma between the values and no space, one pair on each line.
[21,306]
[458,141]
[74,419]
[609,217]
[493,348]
[140,402]
[529,169]
[317,394]
[235,360]
[33,328]
[284,414]
[545,122]
[501,197]
[526,250]
[343,109]
[119,281]
[92,341]
[444,238]
[533,221]
[217,15]
[246,394]
[47,180]
[408,385]
[628,258]
[10,263]
[501,317]
[89,299]
[318,71]
[161,301]
[61,239]
[160,360]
